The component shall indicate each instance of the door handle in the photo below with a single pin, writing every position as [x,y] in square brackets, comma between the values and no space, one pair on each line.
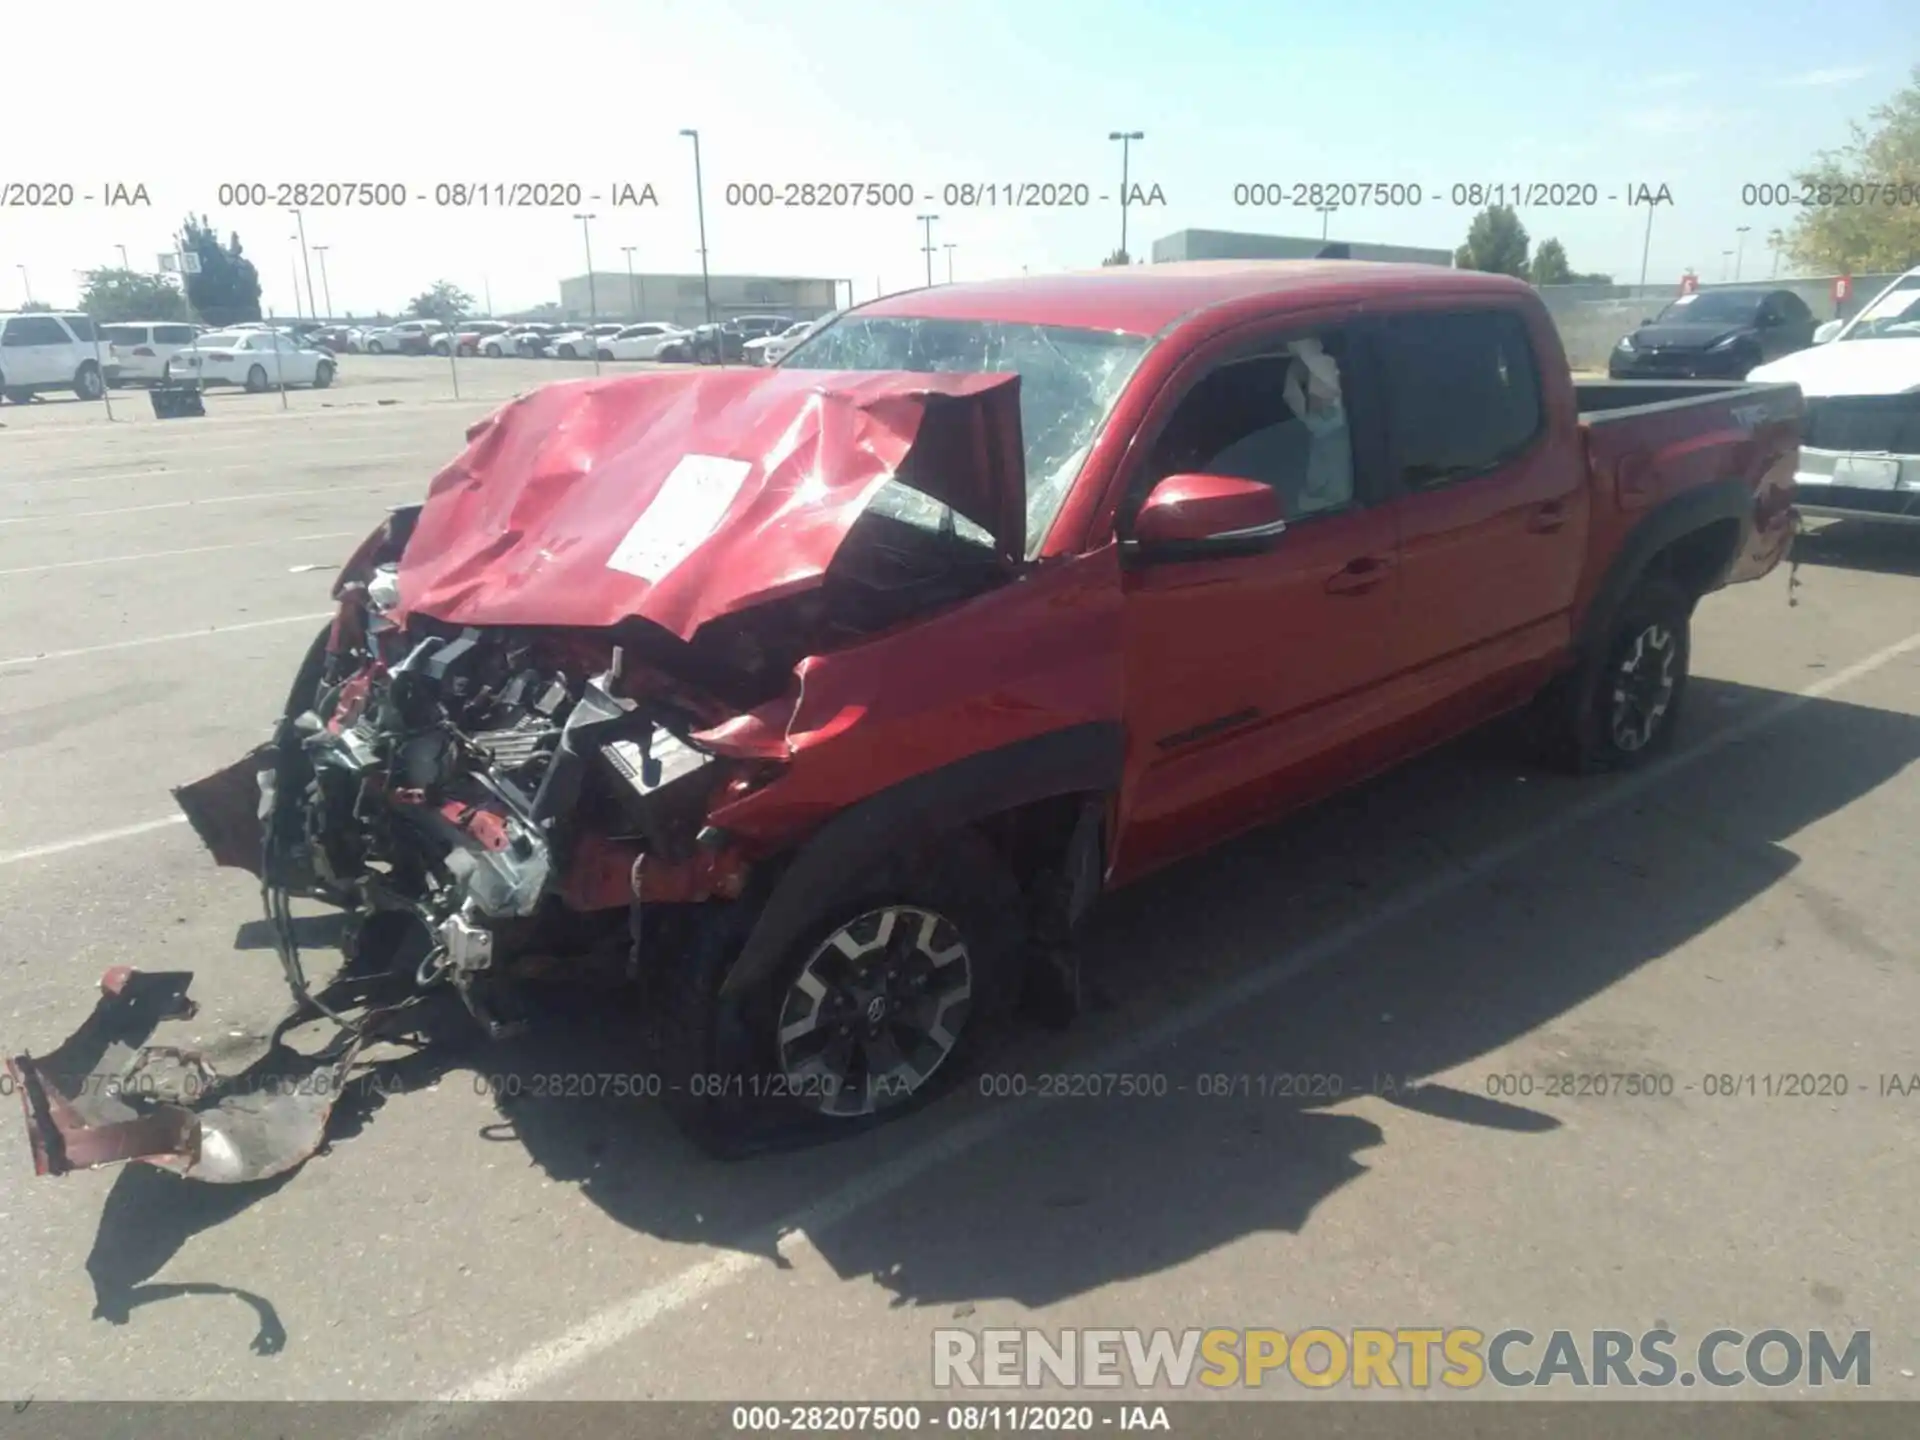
[1548,518]
[1357,577]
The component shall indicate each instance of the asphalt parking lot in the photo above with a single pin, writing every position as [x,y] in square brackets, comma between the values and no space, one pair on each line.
[1749,908]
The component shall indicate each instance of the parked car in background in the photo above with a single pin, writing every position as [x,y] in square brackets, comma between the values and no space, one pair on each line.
[1714,335]
[44,351]
[466,337]
[1860,442]
[753,327]
[526,339]
[581,344]
[256,359]
[335,338]
[768,349]
[143,347]
[716,344]
[638,342]
[408,337]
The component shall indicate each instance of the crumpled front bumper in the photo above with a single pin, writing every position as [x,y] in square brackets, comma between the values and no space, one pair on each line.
[105,1096]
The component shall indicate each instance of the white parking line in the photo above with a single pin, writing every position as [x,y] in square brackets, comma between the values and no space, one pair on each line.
[314,618]
[190,550]
[354,489]
[80,842]
[550,1361]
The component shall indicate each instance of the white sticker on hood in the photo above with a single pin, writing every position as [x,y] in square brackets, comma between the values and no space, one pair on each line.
[689,505]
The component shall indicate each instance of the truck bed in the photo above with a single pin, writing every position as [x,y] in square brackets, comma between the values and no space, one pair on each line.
[1605,401]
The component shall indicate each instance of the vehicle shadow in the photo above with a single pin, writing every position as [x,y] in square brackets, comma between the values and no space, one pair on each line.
[1861,545]
[1246,1123]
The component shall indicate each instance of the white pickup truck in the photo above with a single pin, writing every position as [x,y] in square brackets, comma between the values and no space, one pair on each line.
[1860,444]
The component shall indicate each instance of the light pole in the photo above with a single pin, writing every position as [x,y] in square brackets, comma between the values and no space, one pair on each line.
[950,246]
[301,221]
[1776,242]
[1725,257]
[593,300]
[1326,214]
[1126,139]
[927,220]
[25,284]
[1646,245]
[325,288]
[633,305]
[700,208]
[296,285]
[1740,251]
[125,263]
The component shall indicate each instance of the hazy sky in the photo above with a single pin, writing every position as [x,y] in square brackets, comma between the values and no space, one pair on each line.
[1702,97]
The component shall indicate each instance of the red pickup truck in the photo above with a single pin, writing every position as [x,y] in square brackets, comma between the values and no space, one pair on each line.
[824,701]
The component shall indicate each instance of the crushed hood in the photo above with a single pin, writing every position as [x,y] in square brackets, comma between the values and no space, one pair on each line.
[1849,367]
[684,496]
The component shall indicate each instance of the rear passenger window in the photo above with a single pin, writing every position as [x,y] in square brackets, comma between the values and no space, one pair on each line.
[1463,394]
[81,327]
[173,334]
[1280,419]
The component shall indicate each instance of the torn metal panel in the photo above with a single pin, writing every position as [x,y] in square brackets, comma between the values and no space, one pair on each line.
[99,1100]
[225,809]
[679,498]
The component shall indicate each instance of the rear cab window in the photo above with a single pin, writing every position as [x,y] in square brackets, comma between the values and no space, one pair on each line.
[124,334]
[173,335]
[1462,391]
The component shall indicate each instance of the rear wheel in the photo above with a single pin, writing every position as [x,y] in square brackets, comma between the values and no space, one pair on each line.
[256,379]
[87,383]
[374,347]
[491,350]
[1619,709]
[323,375]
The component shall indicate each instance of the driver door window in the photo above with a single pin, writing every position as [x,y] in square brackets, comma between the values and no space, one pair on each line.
[1281,419]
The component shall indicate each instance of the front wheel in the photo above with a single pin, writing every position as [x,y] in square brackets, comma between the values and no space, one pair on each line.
[322,375]
[256,379]
[879,1005]
[604,355]
[1619,709]
[87,383]
[374,347]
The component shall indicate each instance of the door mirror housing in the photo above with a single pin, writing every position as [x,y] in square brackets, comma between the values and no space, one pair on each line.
[1826,332]
[1208,515]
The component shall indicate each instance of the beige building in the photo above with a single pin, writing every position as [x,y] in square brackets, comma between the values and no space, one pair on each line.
[1240,245]
[681,299]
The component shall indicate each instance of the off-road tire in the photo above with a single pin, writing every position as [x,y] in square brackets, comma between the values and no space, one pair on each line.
[728,1052]
[1588,720]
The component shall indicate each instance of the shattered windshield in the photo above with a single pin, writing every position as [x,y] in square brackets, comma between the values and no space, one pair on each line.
[1069,379]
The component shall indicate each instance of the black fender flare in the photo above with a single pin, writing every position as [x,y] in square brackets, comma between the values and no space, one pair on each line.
[1075,759]
[1672,520]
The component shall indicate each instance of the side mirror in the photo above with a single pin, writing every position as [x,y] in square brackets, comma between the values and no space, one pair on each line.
[1646,319]
[1209,514]
[1822,334]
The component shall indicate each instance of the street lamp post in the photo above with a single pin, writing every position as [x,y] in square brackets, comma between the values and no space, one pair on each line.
[296,286]
[1726,257]
[1126,139]
[593,301]
[633,305]
[1646,245]
[700,208]
[125,263]
[325,288]
[25,284]
[950,246]
[1740,250]
[927,220]
[301,221]
[1326,214]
